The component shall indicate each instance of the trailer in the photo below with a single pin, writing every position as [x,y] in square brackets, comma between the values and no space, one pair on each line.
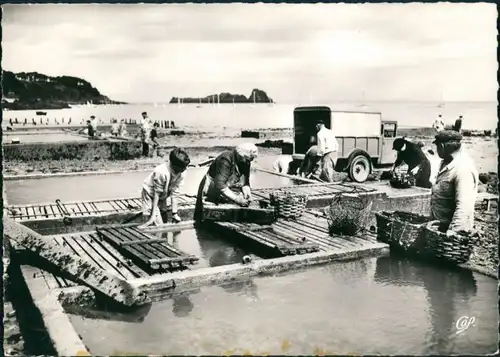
[365,140]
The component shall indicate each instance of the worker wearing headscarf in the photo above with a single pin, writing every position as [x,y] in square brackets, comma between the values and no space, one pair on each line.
[228,178]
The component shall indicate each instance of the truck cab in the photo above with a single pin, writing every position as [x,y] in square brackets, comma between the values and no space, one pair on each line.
[365,140]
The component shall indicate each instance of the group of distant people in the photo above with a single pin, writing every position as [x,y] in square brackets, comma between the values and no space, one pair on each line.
[439,124]
[148,132]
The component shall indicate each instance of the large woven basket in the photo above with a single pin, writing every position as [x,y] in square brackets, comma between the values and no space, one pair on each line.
[384,226]
[454,249]
[288,204]
[404,230]
[348,214]
[407,230]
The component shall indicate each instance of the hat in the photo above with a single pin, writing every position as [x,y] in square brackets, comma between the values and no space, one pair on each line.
[446,136]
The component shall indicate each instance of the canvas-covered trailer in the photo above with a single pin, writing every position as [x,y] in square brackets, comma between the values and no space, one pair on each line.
[365,140]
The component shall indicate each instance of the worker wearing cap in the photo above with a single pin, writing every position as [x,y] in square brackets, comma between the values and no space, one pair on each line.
[411,153]
[454,193]
[327,150]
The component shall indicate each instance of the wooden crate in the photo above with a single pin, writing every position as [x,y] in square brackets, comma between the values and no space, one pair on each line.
[144,250]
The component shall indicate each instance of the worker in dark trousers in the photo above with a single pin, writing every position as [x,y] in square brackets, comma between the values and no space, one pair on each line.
[412,154]
[458,124]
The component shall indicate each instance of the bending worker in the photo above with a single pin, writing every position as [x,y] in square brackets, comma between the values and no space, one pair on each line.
[228,179]
[412,154]
[327,150]
[454,193]
[164,183]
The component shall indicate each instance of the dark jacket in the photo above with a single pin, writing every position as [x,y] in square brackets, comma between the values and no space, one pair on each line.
[413,155]
[224,166]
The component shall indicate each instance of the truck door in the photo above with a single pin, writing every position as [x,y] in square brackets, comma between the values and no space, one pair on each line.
[388,135]
[305,120]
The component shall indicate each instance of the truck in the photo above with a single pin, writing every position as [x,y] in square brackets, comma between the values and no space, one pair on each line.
[365,140]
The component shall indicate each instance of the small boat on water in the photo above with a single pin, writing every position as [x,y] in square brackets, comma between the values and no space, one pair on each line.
[41,113]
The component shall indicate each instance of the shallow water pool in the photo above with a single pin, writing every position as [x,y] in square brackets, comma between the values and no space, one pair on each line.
[371,306]
[212,249]
[43,138]
[109,186]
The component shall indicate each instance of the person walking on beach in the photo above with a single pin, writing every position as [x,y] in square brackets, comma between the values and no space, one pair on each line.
[145,133]
[122,131]
[454,194]
[115,128]
[162,187]
[153,137]
[327,150]
[93,122]
[438,123]
[458,124]
[419,165]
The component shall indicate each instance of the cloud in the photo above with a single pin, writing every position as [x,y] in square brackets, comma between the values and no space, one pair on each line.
[152,52]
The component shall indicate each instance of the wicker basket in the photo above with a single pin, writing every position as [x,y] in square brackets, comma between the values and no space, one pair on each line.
[402,180]
[407,230]
[288,204]
[454,249]
[384,226]
[348,214]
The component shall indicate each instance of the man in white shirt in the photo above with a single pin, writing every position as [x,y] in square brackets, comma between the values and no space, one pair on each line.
[145,121]
[327,150]
[146,125]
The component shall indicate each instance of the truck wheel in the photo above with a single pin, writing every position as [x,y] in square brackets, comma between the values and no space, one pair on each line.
[359,169]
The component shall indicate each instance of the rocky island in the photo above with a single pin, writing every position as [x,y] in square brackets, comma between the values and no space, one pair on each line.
[32,90]
[257,96]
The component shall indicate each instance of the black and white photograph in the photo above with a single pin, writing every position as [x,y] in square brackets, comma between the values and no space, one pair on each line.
[250,179]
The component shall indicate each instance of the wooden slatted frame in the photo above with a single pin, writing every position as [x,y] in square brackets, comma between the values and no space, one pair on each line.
[154,253]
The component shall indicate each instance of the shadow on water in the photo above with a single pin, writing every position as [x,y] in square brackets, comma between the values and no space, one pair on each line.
[445,288]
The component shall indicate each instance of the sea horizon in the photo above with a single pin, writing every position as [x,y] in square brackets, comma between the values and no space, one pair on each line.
[477,115]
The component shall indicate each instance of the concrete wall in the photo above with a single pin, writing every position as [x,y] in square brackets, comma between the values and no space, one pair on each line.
[80,150]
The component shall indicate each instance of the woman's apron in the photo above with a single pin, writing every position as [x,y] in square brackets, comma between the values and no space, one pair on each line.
[208,192]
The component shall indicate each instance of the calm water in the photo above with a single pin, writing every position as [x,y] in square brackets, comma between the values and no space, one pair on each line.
[371,306]
[212,249]
[477,115]
[110,186]
[42,138]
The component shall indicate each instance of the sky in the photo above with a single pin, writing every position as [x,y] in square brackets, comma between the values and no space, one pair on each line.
[324,52]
